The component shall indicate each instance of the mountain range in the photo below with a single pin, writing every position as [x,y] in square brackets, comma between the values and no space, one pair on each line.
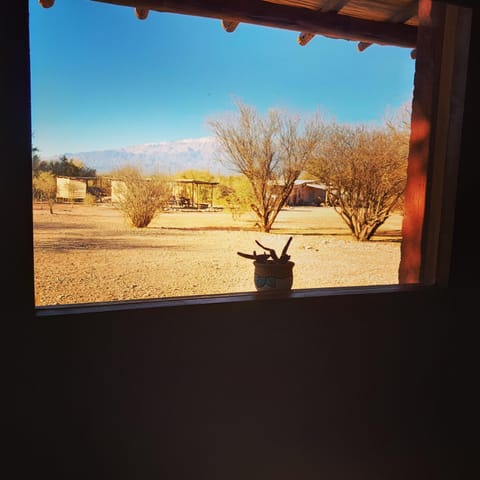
[162,157]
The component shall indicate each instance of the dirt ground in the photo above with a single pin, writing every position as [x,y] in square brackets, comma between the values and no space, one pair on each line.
[86,254]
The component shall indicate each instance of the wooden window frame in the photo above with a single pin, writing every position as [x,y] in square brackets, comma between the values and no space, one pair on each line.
[437,111]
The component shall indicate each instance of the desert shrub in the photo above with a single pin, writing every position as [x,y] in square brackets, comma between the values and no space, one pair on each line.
[44,186]
[140,198]
[90,199]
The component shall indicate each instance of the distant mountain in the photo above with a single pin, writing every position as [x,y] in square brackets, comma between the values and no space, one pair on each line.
[163,157]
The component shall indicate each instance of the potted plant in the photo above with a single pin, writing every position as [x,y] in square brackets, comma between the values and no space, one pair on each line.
[272,272]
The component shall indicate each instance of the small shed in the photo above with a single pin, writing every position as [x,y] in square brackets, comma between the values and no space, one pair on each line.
[71,189]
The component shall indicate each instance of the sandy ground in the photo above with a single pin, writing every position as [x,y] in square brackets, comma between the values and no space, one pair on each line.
[86,254]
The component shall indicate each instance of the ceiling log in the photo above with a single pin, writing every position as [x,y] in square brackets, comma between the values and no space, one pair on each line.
[398,17]
[46,3]
[258,12]
[363,46]
[333,5]
[304,38]
[405,14]
[310,4]
[229,26]
[328,6]
[141,13]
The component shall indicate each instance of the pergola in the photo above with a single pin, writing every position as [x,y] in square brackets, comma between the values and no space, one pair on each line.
[195,188]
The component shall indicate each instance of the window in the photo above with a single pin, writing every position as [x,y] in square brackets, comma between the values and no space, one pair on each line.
[87,253]
[431,268]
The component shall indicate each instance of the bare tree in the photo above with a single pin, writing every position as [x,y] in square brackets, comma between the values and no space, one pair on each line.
[271,152]
[366,170]
[141,198]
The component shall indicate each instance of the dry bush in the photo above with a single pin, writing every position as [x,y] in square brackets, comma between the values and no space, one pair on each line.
[141,198]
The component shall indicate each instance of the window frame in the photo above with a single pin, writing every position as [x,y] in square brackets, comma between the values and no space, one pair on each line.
[440,77]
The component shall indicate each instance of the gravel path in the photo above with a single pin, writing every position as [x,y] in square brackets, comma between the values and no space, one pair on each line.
[87,254]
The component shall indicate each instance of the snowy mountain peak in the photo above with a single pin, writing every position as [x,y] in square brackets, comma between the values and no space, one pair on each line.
[158,157]
[175,146]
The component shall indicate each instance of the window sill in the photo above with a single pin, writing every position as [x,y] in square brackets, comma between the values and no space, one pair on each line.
[261,300]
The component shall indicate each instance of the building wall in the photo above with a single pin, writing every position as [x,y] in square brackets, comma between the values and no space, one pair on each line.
[118,189]
[305,194]
[239,391]
[70,189]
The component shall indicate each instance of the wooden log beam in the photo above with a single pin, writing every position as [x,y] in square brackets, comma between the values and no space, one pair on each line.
[229,26]
[304,38]
[405,13]
[46,3]
[303,20]
[328,6]
[333,5]
[141,13]
[400,16]
[324,6]
[363,46]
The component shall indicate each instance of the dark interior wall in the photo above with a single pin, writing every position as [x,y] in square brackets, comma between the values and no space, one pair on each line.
[287,389]
[236,391]
[463,272]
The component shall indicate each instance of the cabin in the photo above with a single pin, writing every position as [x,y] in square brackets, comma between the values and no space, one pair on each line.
[308,192]
[346,384]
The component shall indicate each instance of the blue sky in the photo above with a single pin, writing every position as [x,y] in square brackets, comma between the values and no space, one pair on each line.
[103,79]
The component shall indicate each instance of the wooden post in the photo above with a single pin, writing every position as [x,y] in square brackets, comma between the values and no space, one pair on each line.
[425,95]
[440,75]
